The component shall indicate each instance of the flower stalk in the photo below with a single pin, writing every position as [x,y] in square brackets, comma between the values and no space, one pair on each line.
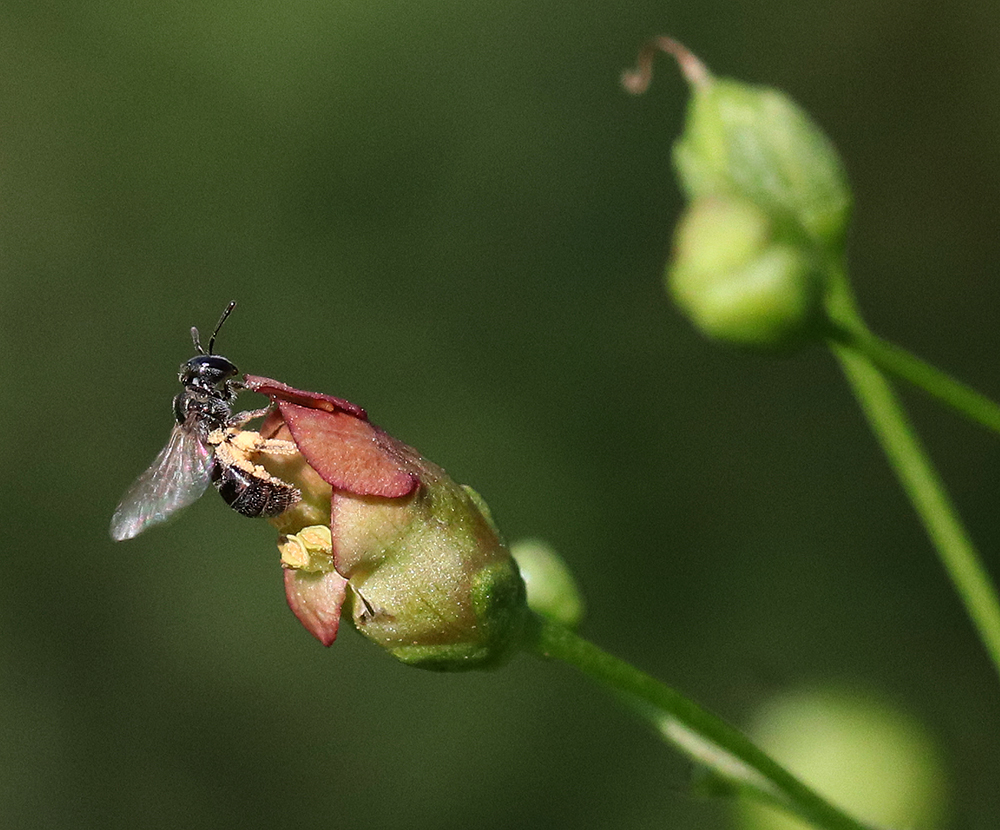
[897,361]
[922,484]
[707,739]
[863,359]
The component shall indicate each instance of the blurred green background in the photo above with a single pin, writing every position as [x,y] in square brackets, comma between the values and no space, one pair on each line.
[450,213]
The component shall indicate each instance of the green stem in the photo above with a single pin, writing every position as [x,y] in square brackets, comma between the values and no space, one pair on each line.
[706,738]
[925,489]
[897,361]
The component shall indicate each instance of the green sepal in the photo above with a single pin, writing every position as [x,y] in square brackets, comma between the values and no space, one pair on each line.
[757,143]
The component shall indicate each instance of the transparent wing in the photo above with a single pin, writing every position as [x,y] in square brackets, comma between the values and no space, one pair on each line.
[177,477]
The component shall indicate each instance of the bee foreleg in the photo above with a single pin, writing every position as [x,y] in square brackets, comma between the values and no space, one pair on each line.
[240,418]
[277,446]
[249,442]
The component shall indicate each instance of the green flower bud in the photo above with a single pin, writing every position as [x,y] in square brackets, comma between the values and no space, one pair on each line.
[769,213]
[385,535]
[552,590]
[742,278]
[756,142]
[862,754]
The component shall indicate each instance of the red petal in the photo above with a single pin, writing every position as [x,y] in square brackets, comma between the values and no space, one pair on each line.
[276,390]
[340,443]
[316,599]
[348,453]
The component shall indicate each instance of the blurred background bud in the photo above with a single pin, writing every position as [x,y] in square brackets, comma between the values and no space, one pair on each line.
[756,142]
[552,590]
[741,278]
[867,757]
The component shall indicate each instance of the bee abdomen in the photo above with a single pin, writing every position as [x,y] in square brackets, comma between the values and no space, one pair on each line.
[251,494]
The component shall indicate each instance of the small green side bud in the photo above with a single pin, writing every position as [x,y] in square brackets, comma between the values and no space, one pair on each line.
[743,279]
[552,590]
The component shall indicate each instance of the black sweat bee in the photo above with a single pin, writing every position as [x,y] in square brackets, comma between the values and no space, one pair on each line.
[206,445]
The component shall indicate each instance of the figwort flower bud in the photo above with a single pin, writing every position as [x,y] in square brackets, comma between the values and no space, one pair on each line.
[741,277]
[756,142]
[770,208]
[381,532]
[552,590]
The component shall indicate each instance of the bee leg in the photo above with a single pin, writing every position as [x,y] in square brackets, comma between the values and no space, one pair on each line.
[252,442]
[240,418]
[277,446]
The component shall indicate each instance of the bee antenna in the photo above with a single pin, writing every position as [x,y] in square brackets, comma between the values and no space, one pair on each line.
[197,340]
[222,319]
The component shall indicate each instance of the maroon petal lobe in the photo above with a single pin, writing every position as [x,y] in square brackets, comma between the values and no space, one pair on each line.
[276,390]
[316,599]
[340,443]
[348,453]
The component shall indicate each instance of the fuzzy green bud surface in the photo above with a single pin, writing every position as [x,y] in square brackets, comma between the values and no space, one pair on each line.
[434,585]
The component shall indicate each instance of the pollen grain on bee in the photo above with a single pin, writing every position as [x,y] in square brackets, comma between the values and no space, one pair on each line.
[234,447]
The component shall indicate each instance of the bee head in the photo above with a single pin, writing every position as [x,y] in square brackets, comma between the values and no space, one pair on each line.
[206,372]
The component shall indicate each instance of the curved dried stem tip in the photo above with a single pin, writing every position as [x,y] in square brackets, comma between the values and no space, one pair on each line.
[637,80]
